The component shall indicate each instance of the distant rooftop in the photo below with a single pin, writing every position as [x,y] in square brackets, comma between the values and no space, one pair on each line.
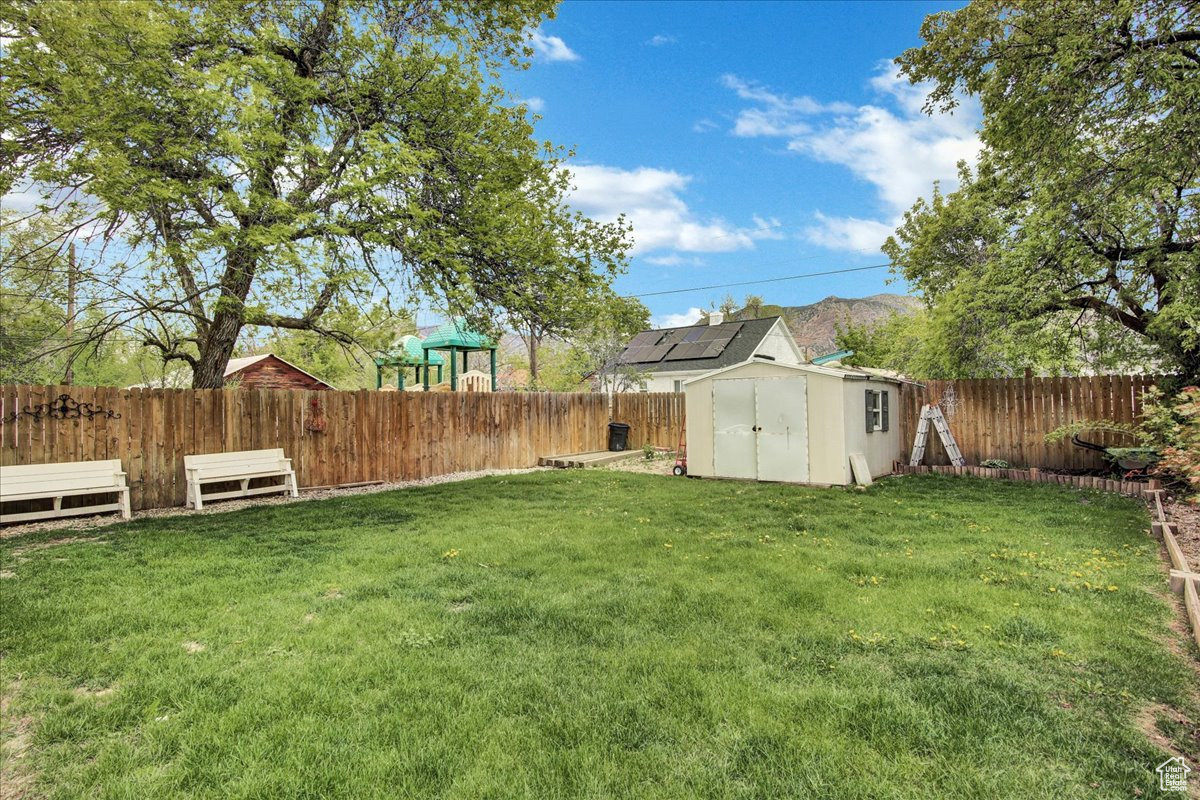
[696,347]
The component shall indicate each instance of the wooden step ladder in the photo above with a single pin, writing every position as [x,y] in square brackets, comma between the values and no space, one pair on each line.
[931,412]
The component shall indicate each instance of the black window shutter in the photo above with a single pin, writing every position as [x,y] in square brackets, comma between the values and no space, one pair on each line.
[883,408]
[870,411]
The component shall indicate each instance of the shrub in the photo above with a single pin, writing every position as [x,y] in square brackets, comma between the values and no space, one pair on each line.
[1172,426]
[994,463]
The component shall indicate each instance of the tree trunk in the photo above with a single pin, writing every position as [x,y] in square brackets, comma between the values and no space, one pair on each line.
[217,346]
[533,358]
[209,372]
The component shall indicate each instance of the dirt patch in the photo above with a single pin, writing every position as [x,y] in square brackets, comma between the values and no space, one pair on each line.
[309,617]
[16,778]
[194,647]
[7,573]
[94,694]
[333,593]
[19,552]
[661,464]
[86,523]
[460,606]
[1154,717]
[1187,528]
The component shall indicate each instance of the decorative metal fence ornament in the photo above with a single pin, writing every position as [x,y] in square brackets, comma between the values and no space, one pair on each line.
[62,407]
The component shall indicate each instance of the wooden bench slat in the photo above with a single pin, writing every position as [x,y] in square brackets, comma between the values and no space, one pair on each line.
[17,497]
[245,455]
[62,468]
[49,486]
[54,513]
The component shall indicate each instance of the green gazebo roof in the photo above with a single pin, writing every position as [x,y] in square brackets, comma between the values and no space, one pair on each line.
[456,334]
[408,350]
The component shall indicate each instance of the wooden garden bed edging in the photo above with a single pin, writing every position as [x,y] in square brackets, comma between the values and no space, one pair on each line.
[1181,576]
[1034,475]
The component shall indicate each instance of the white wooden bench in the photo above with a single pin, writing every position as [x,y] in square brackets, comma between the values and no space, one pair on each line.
[56,481]
[243,467]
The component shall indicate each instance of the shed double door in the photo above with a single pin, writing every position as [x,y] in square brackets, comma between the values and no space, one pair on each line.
[760,428]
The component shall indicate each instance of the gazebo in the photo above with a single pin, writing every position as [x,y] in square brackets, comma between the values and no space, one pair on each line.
[407,354]
[455,337]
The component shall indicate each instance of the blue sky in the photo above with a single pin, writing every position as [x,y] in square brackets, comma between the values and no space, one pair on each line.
[744,140]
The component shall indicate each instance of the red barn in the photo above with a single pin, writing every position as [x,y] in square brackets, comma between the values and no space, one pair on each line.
[269,371]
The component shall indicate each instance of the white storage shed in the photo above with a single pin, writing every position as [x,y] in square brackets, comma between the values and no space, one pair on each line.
[795,423]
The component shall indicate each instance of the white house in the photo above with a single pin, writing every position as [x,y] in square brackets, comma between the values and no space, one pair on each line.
[669,356]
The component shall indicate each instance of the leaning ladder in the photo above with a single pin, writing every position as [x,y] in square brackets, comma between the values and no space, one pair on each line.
[934,413]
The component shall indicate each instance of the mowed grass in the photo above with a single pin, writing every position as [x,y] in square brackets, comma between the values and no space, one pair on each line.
[599,634]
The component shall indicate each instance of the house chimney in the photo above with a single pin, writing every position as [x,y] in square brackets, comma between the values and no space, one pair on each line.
[715,317]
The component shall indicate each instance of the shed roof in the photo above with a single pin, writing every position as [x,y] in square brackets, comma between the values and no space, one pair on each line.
[845,373]
[455,333]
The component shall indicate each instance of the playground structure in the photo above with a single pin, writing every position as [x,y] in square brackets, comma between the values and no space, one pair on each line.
[454,337]
[407,354]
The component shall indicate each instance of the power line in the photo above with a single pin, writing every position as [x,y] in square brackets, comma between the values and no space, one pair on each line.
[763,280]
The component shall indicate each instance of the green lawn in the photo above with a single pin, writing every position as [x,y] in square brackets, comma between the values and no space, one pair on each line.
[600,634]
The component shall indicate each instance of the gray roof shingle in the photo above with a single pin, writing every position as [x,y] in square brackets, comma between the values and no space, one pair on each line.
[739,349]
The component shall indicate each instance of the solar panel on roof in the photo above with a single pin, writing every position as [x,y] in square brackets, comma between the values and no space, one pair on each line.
[703,342]
[629,355]
[685,352]
[720,332]
[725,333]
[646,339]
[656,353]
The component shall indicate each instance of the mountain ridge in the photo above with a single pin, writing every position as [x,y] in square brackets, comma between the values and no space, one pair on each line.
[814,326]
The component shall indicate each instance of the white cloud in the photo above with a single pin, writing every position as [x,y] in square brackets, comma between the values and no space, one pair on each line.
[689,317]
[22,199]
[658,40]
[704,126]
[892,145]
[551,48]
[674,260]
[650,199]
[776,114]
[848,233]
[670,260]
[535,104]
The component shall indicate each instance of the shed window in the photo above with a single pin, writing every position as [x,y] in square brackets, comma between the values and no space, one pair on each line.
[678,387]
[877,411]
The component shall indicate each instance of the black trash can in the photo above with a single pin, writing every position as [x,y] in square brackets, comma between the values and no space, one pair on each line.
[618,436]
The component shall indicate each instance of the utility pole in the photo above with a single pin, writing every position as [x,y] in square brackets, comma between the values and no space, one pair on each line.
[69,377]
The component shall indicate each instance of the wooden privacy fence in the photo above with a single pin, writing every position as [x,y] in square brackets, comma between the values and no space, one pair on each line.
[332,437]
[655,419]
[1009,418]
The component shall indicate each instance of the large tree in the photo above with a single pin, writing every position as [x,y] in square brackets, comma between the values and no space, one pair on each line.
[564,285]
[259,160]
[1086,198]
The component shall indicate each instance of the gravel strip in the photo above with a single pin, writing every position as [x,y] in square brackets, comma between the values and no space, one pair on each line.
[1187,528]
[223,506]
